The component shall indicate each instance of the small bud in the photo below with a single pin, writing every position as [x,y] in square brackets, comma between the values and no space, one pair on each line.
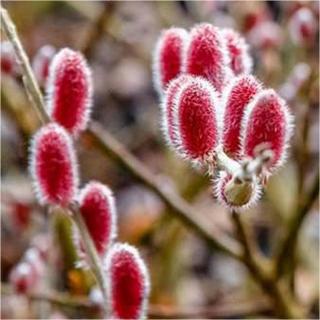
[195,119]
[168,56]
[8,61]
[303,26]
[128,282]
[207,55]
[97,207]
[41,62]
[234,194]
[22,278]
[267,120]
[53,166]
[167,107]
[239,92]
[240,59]
[69,90]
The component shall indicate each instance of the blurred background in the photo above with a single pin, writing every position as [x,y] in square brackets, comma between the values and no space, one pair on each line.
[118,39]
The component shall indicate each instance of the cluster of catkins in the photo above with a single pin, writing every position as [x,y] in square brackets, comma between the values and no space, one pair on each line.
[54,169]
[216,114]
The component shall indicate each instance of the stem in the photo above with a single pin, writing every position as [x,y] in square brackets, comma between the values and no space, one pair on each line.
[227,309]
[91,251]
[283,303]
[290,239]
[28,78]
[226,163]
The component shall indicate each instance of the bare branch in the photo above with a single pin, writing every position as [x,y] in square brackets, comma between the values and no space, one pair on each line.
[290,239]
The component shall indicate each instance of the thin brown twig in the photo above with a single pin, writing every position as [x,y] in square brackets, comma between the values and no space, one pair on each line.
[29,80]
[97,28]
[222,310]
[284,305]
[290,239]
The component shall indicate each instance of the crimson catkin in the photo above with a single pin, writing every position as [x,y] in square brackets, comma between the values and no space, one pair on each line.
[267,120]
[69,90]
[53,166]
[207,55]
[97,207]
[128,282]
[168,56]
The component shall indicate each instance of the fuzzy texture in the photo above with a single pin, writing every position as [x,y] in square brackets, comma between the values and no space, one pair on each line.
[240,59]
[69,90]
[195,119]
[219,185]
[207,55]
[53,166]
[22,278]
[267,120]
[128,282]
[167,107]
[97,207]
[168,56]
[237,96]
[41,62]
[303,26]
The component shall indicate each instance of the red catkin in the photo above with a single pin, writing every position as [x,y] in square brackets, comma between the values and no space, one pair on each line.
[207,55]
[168,56]
[128,282]
[97,207]
[69,90]
[240,59]
[196,121]
[237,96]
[267,121]
[53,166]
[167,107]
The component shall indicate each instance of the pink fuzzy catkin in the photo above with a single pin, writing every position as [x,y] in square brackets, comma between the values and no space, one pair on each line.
[69,90]
[238,50]
[53,166]
[237,96]
[97,207]
[168,56]
[128,282]
[195,119]
[267,120]
[167,107]
[207,55]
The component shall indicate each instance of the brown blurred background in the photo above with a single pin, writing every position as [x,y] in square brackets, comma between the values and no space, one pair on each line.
[185,274]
